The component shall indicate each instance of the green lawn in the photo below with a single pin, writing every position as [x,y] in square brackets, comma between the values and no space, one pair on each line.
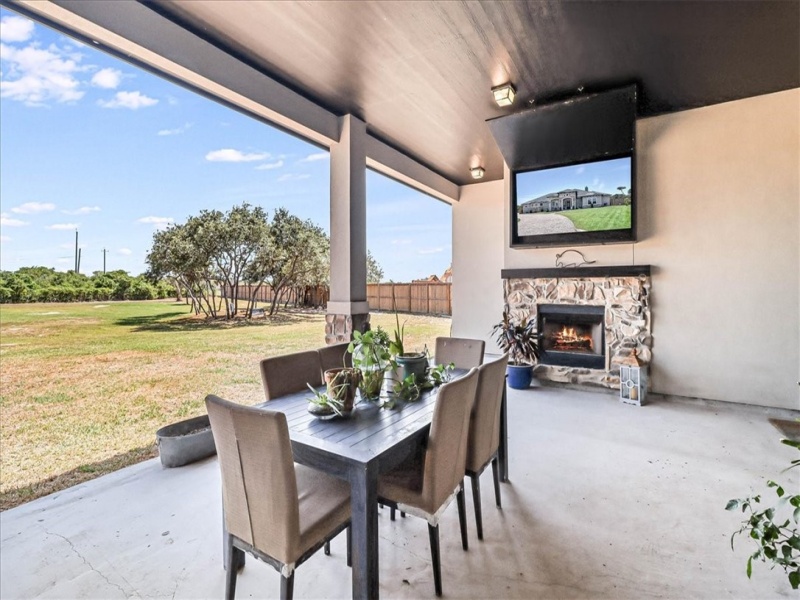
[85,386]
[599,219]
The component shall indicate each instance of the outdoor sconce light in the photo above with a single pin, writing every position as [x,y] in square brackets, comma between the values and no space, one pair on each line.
[632,380]
[477,172]
[504,94]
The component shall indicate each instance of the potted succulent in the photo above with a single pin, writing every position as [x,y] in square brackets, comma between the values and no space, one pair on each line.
[519,340]
[370,351]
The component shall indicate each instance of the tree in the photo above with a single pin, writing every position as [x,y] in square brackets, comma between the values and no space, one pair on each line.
[374,271]
[297,254]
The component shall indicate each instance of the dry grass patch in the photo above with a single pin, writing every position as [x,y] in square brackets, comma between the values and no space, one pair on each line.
[83,391]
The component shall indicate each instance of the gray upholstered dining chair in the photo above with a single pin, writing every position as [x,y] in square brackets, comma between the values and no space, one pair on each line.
[276,510]
[484,432]
[290,373]
[426,487]
[464,353]
[335,356]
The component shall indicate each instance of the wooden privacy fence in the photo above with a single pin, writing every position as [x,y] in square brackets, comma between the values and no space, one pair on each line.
[303,296]
[421,298]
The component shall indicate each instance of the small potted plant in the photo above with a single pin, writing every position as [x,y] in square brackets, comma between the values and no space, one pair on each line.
[519,340]
[407,363]
[338,399]
[370,351]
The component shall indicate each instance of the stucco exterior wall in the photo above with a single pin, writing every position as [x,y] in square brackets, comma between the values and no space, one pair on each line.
[478,224]
[719,219]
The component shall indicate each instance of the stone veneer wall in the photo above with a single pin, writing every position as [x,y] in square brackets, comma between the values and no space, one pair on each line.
[627,319]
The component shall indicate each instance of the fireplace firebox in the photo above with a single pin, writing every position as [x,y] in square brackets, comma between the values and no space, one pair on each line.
[572,335]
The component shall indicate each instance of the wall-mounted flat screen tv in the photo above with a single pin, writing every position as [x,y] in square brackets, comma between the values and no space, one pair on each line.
[589,202]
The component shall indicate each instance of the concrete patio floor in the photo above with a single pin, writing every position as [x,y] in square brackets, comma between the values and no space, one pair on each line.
[605,501]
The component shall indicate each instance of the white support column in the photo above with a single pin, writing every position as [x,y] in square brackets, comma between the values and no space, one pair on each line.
[348,308]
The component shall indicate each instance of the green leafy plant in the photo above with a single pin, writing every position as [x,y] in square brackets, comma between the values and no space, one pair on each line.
[370,351]
[519,340]
[407,389]
[778,541]
[325,404]
[439,374]
[396,345]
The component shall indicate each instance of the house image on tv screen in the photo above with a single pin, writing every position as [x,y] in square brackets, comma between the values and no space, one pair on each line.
[570,199]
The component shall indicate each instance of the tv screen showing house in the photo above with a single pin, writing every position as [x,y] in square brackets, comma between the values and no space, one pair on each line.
[584,197]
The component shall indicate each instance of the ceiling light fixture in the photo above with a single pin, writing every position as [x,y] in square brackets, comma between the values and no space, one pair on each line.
[504,94]
[477,172]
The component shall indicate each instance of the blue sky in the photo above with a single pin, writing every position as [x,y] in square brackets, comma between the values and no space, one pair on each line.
[602,176]
[90,142]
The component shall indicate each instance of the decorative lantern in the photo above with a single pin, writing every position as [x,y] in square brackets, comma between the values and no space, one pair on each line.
[632,380]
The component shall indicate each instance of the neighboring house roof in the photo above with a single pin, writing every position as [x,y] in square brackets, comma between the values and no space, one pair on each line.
[428,279]
[447,276]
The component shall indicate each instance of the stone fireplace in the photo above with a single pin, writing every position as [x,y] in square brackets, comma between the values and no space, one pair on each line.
[572,335]
[588,319]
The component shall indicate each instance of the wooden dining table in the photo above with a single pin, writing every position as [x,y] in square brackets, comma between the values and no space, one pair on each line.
[371,441]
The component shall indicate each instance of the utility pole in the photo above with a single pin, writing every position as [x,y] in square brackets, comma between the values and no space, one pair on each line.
[78,270]
[77,263]
[104,260]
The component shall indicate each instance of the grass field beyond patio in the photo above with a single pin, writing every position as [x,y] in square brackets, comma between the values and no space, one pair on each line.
[599,219]
[84,387]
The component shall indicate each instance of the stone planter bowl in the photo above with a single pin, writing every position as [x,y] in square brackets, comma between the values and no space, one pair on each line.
[185,442]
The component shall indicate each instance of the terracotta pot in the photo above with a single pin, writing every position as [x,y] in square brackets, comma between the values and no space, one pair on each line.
[342,384]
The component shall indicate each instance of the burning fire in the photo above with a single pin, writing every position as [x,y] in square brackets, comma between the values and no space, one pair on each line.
[570,339]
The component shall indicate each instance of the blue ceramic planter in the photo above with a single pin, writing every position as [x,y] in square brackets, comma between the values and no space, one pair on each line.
[519,376]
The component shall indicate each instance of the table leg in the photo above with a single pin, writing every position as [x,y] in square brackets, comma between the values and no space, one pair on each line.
[502,451]
[364,507]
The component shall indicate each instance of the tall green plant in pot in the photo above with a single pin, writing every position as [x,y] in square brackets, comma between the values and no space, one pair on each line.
[407,363]
[519,340]
[371,357]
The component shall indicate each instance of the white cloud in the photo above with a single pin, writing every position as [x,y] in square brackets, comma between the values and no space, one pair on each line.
[315,157]
[125,251]
[83,210]
[131,100]
[267,166]
[65,261]
[176,131]
[7,221]
[34,76]
[430,250]
[108,79]
[63,226]
[580,170]
[15,29]
[231,155]
[4,239]
[157,222]
[66,246]
[293,177]
[403,242]
[33,207]
[598,185]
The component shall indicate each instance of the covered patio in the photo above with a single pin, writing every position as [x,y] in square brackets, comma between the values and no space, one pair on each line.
[603,501]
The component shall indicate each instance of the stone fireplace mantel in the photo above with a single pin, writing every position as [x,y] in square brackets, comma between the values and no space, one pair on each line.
[623,292]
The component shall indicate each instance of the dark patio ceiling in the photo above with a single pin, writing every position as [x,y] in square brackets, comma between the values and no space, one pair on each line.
[420,73]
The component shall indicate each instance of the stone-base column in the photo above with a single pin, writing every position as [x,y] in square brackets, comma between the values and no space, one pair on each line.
[340,328]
